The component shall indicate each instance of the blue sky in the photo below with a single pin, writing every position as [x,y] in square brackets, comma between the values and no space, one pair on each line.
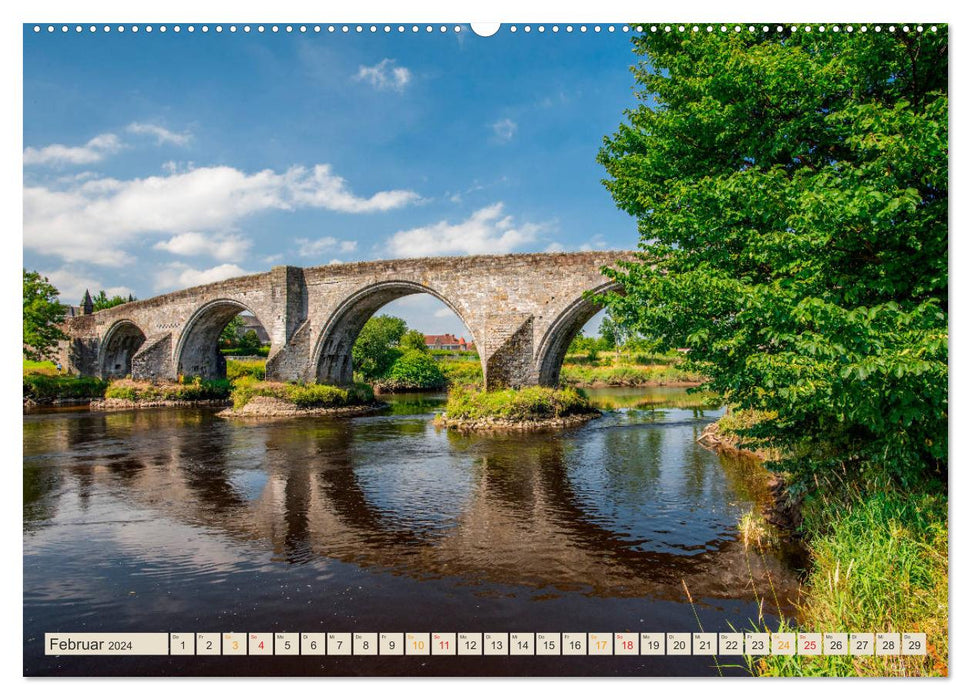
[155,161]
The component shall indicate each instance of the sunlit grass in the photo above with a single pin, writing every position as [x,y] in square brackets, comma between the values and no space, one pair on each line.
[880,564]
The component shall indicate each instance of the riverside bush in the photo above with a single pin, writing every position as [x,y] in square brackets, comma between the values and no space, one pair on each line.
[414,370]
[531,403]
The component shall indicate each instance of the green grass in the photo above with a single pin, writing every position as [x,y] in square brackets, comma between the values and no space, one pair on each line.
[625,375]
[189,390]
[47,387]
[302,395]
[880,564]
[245,368]
[45,367]
[262,351]
[531,403]
[461,372]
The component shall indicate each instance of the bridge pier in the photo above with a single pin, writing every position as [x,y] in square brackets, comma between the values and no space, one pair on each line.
[507,351]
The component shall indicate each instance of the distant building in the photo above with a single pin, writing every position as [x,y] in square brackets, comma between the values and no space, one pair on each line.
[251,324]
[448,342]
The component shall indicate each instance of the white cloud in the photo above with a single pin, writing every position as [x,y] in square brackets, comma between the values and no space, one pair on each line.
[94,220]
[99,147]
[504,129]
[310,249]
[443,313]
[180,275]
[58,154]
[161,134]
[486,231]
[321,188]
[598,242]
[71,285]
[227,247]
[385,75]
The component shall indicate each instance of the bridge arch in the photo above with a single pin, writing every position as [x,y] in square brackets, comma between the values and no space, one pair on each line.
[330,360]
[559,335]
[118,345]
[197,352]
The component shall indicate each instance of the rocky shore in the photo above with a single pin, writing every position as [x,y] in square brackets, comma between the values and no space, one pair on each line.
[781,510]
[128,404]
[271,407]
[505,425]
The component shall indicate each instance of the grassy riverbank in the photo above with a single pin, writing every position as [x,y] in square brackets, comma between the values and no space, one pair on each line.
[624,369]
[44,384]
[188,390]
[879,563]
[529,404]
[301,395]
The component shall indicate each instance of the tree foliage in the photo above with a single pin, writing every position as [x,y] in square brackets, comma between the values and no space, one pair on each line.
[416,369]
[376,347]
[229,336]
[790,191]
[102,301]
[43,314]
[414,340]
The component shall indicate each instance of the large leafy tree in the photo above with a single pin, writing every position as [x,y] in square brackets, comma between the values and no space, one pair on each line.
[790,191]
[43,315]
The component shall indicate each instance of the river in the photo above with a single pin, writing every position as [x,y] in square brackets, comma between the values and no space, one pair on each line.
[176,520]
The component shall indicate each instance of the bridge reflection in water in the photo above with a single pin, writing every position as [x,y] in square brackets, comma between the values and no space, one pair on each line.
[396,493]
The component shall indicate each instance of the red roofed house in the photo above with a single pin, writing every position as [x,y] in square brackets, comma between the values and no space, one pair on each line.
[447,342]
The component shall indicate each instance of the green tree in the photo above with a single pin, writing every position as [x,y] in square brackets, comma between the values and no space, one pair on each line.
[790,191]
[103,301]
[43,314]
[613,332]
[229,337]
[413,340]
[416,369]
[376,347]
[249,343]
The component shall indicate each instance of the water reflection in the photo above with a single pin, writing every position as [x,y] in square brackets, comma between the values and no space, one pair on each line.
[627,506]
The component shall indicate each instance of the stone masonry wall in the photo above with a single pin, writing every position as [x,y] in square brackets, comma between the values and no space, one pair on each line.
[516,308]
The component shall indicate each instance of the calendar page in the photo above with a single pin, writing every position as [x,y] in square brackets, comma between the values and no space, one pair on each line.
[439,349]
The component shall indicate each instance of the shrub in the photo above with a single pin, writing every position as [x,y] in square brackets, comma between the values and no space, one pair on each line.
[414,370]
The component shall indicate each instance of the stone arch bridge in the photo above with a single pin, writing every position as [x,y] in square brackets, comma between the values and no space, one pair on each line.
[522,311]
